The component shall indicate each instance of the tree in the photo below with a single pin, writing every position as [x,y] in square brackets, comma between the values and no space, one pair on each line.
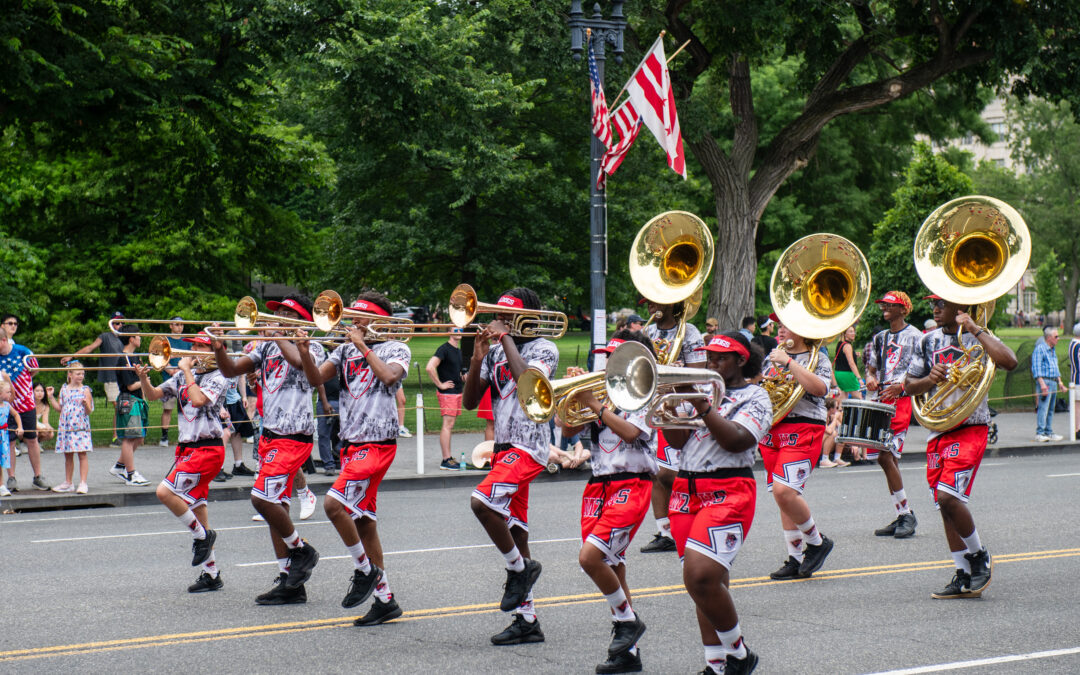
[851,58]
[1048,285]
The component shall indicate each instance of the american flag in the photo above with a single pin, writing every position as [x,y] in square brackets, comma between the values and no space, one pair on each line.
[601,127]
[627,122]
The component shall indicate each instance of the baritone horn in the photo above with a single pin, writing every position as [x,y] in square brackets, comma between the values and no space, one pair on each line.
[634,379]
[970,251]
[464,306]
[541,398]
[819,287]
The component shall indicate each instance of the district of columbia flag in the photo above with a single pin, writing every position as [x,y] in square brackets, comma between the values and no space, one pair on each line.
[627,122]
[649,89]
[601,127]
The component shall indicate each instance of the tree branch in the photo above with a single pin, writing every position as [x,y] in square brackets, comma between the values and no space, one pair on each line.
[700,57]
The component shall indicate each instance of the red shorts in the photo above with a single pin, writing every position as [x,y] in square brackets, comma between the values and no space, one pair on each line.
[611,513]
[789,452]
[505,490]
[715,519]
[484,411]
[952,460]
[900,423]
[449,404]
[666,455]
[363,466]
[279,459]
[195,467]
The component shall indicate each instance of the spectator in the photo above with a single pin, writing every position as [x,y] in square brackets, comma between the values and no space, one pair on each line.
[75,405]
[109,344]
[833,417]
[929,325]
[748,327]
[10,324]
[403,431]
[1074,367]
[329,425]
[444,370]
[19,370]
[131,412]
[1044,368]
[711,326]
[845,369]
[634,322]
[8,421]
[41,408]
[168,404]
[620,323]
[765,339]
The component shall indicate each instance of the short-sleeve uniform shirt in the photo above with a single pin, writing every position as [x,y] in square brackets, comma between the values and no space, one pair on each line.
[511,424]
[809,407]
[892,353]
[691,341]
[367,406]
[938,347]
[286,392]
[748,406]
[196,424]
[614,455]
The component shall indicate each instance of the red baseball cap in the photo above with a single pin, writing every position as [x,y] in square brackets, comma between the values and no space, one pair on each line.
[289,303]
[722,343]
[609,348]
[933,297]
[369,307]
[198,339]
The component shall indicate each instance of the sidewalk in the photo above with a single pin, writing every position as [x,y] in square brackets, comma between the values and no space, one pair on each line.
[1016,436]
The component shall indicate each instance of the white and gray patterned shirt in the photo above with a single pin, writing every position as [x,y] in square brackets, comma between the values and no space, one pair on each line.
[691,341]
[810,407]
[892,353]
[286,392]
[198,423]
[615,455]
[511,424]
[368,408]
[748,406]
[938,347]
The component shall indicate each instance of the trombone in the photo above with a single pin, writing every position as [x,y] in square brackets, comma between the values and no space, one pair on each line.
[464,306]
[159,354]
[634,379]
[78,358]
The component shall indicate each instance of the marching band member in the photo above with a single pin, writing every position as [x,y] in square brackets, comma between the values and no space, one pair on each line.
[613,506]
[953,456]
[663,331]
[789,452]
[200,452]
[372,371]
[501,501]
[886,368]
[714,496]
[285,444]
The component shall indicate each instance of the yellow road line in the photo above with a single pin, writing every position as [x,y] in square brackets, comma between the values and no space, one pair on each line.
[482,608]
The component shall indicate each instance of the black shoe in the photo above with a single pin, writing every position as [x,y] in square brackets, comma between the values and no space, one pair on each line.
[518,585]
[957,588]
[624,635]
[814,556]
[621,663]
[282,595]
[449,464]
[361,587]
[200,548]
[889,530]
[743,666]
[205,583]
[789,570]
[380,612]
[661,543]
[242,470]
[519,632]
[981,568]
[905,526]
[222,476]
[302,560]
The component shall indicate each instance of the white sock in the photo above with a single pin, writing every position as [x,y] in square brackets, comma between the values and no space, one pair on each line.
[972,542]
[237,463]
[210,565]
[899,499]
[515,562]
[793,539]
[283,565]
[192,523]
[527,609]
[733,642]
[663,526]
[620,606]
[961,561]
[715,658]
[382,589]
[293,540]
[810,532]
[359,558]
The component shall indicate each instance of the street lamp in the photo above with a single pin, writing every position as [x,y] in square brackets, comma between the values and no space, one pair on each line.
[604,31]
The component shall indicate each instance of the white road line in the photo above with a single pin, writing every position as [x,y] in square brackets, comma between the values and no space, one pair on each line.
[164,532]
[956,665]
[100,515]
[419,550]
[1061,475]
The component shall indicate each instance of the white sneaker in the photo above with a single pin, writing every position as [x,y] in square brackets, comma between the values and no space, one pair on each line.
[137,479]
[164,443]
[118,472]
[82,489]
[308,500]
[403,432]
[1041,439]
[1055,437]
[4,492]
[258,518]
[64,487]
[18,449]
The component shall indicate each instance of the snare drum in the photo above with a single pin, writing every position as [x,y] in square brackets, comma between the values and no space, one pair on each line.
[866,423]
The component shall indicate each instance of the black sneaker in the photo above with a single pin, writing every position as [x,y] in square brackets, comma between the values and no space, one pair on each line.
[361,586]
[889,530]
[380,612]
[222,476]
[624,635]
[981,568]
[789,570]
[302,560]
[242,470]
[621,663]
[518,585]
[205,583]
[743,666]
[814,557]
[200,548]
[905,526]
[449,464]
[661,543]
[957,588]
[282,595]
[519,632]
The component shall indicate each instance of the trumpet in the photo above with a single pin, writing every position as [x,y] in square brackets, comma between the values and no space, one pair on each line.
[541,398]
[634,380]
[464,307]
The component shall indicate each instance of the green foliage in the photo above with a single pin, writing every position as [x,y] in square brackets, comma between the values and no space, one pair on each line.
[1047,276]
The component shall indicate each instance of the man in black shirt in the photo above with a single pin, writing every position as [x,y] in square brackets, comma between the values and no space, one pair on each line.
[131,411]
[444,369]
[765,339]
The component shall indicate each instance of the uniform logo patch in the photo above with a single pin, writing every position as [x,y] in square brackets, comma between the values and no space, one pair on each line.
[275,370]
[949,355]
[358,376]
[504,379]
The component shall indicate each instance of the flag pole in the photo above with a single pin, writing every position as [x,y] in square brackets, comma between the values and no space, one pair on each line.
[622,91]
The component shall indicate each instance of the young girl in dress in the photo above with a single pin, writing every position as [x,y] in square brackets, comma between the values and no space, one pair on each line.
[41,402]
[75,405]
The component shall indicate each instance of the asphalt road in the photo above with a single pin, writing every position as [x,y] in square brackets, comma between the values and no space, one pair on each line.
[104,590]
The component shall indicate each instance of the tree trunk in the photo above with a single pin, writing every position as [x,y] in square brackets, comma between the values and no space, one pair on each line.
[1070,291]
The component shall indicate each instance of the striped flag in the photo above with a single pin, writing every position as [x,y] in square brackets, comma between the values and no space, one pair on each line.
[627,122]
[649,89]
[601,128]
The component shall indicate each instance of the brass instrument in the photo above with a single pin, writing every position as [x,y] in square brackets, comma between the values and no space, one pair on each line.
[819,287]
[158,355]
[970,251]
[634,380]
[670,259]
[541,398]
[154,322]
[78,357]
[464,307]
